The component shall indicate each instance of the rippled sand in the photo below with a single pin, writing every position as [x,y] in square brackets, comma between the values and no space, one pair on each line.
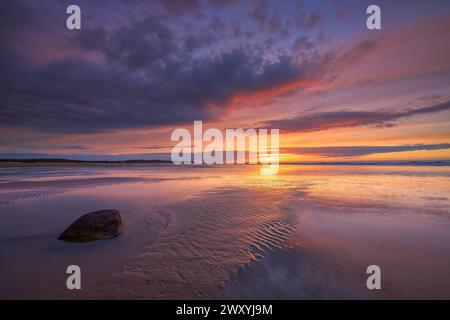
[209,238]
[226,232]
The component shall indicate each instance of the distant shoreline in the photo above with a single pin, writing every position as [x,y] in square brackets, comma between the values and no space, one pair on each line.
[56,160]
[136,161]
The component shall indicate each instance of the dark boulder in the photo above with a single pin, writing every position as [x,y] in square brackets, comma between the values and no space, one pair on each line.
[98,225]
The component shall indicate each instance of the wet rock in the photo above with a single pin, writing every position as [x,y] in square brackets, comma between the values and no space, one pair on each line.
[98,225]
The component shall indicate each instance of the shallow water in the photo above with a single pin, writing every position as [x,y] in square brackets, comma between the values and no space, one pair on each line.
[227,232]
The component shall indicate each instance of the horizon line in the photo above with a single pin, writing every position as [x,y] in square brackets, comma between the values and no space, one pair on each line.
[160,161]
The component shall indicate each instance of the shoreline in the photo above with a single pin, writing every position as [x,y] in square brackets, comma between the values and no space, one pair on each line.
[11,163]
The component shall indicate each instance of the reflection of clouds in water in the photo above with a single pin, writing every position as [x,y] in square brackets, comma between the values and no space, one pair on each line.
[295,273]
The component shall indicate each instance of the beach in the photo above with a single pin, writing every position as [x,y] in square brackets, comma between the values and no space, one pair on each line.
[226,232]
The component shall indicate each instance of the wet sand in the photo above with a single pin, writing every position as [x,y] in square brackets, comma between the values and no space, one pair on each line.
[328,255]
[226,232]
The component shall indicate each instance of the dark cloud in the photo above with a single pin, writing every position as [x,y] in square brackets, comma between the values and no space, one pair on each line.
[76,96]
[344,118]
[217,24]
[357,52]
[93,39]
[150,75]
[182,7]
[18,24]
[275,23]
[76,147]
[154,147]
[304,20]
[223,3]
[259,12]
[199,39]
[313,19]
[302,43]
[150,71]
[357,151]
[138,45]
[51,147]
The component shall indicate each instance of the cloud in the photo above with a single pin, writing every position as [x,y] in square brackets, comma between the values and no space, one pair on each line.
[356,52]
[357,151]
[53,147]
[154,147]
[326,152]
[313,19]
[344,118]
[128,68]
[150,76]
[302,43]
[182,7]
[223,3]
[72,95]
[198,39]
[308,21]
[259,12]
[133,46]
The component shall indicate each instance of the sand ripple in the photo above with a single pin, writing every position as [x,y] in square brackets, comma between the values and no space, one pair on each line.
[208,239]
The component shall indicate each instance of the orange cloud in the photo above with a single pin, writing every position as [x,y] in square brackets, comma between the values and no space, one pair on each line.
[253,99]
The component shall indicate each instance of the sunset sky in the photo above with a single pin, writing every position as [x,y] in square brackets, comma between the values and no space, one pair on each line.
[137,70]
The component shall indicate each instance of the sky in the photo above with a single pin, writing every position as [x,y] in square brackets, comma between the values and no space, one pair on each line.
[137,70]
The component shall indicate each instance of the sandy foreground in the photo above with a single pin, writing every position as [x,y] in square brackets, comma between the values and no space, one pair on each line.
[215,232]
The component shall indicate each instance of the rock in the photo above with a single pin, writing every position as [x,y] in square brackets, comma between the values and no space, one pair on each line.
[98,225]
